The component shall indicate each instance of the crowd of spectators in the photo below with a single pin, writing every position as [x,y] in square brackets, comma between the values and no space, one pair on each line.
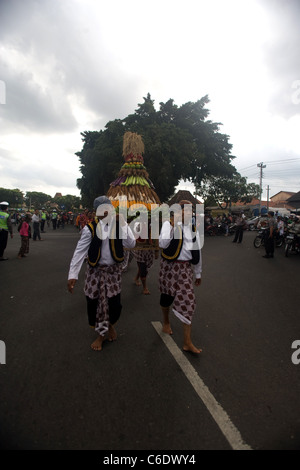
[225,224]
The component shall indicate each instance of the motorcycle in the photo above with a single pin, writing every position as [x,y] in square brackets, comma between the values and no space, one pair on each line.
[231,229]
[292,243]
[221,229]
[260,238]
[211,230]
[279,239]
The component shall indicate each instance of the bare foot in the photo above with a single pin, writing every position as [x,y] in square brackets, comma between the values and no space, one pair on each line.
[191,348]
[112,334]
[146,291]
[97,344]
[137,282]
[167,328]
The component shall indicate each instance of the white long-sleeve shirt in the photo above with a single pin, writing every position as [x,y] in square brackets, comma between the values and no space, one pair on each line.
[83,245]
[35,218]
[166,236]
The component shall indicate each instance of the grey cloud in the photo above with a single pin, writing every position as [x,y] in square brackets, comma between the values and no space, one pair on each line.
[49,31]
[26,27]
[281,55]
[29,107]
[32,176]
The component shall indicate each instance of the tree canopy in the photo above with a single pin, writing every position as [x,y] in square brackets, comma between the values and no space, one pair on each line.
[13,196]
[37,200]
[180,143]
[225,191]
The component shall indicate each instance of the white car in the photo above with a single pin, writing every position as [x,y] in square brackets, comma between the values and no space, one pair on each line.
[252,223]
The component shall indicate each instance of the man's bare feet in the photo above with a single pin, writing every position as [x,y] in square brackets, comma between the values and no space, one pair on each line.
[191,348]
[112,334]
[167,328]
[97,344]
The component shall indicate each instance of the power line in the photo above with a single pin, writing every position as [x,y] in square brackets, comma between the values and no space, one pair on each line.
[253,175]
[273,162]
[284,187]
[242,169]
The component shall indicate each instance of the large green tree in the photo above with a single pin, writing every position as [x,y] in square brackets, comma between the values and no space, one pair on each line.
[100,158]
[180,143]
[36,199]
[67,203]
[14,197]
[225,191]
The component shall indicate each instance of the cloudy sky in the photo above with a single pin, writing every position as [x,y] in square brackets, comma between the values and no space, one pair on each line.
[67,66]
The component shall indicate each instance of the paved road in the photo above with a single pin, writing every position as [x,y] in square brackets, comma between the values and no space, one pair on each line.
[56,393]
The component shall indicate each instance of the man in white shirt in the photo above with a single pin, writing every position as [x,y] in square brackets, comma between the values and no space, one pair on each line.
[176,275]
[102,243]
[36,219]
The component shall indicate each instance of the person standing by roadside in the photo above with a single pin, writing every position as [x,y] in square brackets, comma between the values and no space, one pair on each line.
[240,226]
[43,220]
[24,230]
[36,219]
[54,219]
[5,228]
[269,241]
[280,226]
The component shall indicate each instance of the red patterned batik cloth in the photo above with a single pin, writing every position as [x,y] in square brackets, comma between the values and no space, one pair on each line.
[144,256]
[176,280]
[102,282]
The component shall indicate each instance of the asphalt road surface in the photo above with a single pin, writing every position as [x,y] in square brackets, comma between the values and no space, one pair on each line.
[142,392]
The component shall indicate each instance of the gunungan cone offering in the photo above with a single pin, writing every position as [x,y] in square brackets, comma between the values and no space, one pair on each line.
[133,179]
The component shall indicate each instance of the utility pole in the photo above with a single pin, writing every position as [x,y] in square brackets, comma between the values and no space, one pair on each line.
[261,166]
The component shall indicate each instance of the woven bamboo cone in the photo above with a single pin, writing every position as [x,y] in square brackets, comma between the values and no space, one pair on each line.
[133,179]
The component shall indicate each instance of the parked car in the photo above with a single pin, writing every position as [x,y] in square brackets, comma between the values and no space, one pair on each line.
[262,222]
[252,223]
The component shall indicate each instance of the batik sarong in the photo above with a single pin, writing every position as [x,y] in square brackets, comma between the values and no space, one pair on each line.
[176,280]
[144,259]
[102,283]
[24,246]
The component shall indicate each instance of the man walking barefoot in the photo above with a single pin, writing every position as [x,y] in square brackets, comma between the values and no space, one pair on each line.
[176,284]
[102,243]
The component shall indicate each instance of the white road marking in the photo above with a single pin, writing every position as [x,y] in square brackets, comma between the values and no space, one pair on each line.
[220,416]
